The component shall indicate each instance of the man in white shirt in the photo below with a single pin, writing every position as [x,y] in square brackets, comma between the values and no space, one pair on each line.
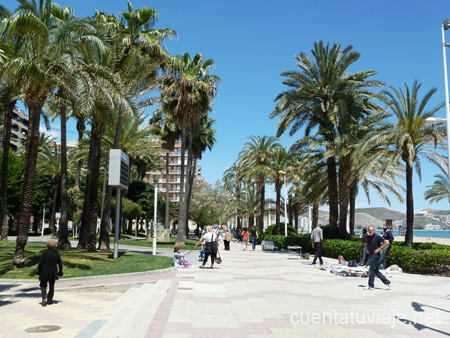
[317,243]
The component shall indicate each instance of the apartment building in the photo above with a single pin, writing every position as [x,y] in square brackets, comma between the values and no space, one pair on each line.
[174,174]
[19,129]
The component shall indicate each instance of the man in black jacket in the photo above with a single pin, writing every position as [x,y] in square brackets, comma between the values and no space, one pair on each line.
[48,271]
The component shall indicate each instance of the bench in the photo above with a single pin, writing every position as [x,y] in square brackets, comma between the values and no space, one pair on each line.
[295,251]
[267,246]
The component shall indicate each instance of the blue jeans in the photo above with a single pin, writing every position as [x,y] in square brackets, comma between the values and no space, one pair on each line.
[384,254]
[374,262]
[253,242]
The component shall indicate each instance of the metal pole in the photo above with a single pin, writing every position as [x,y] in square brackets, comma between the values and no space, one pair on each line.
[268,225]
[155,221]
[117,225]
[447,105]
[246,216]
[285,206]
[309,218]
[43,221]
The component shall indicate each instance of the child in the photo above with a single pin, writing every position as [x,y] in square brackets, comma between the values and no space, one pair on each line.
[178,257]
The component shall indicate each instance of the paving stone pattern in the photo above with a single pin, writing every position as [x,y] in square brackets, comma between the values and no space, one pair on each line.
[252,294]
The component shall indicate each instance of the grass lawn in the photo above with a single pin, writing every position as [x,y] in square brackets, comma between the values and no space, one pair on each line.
[78,263]
[161,245]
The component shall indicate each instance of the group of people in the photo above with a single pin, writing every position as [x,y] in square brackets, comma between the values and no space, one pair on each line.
[364,256]
[253,236]
[374,250]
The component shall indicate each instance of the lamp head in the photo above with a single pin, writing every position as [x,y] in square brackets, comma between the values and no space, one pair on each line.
[446,24]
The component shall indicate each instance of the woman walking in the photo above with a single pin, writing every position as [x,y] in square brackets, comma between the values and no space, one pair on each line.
[48,272]
[211,245]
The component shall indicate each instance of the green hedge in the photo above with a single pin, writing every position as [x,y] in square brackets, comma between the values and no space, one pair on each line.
[423,258]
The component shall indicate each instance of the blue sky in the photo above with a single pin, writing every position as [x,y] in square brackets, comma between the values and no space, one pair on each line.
[253,42]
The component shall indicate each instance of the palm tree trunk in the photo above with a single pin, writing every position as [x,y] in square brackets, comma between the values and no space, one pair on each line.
[277,207]
[344,182]
[315,215]
[55,206]
[4,179]
[409,206]
[87,193]
[262,206]
[353,190]
[295,207]
[181,233]
[35,103]
[167,210]
[191,178]
[96,134]
[333,197]
[63,239]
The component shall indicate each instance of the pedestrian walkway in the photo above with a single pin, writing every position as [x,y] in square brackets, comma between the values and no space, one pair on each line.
[252,294]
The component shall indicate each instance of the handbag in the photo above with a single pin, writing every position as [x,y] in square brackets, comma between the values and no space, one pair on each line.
[219,259]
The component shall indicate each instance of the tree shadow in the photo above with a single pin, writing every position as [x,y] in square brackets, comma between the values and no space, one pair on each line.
[121,253]
[77,266]
[4,287]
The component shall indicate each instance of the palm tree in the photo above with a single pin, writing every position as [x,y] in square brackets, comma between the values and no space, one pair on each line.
[312,101]
[49,163]
[187,97]
[137,56]
[42,60]
[168,132]
[411,137]
[254,162]
[438,190]
[280,161]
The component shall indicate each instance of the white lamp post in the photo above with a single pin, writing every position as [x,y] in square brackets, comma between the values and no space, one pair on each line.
[445,26]
[155,213]
[285,201]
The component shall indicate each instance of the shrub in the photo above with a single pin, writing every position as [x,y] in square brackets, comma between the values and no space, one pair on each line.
[271,230]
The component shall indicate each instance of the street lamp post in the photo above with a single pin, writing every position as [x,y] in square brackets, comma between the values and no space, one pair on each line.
[285,201]
[155,213]
[445,26]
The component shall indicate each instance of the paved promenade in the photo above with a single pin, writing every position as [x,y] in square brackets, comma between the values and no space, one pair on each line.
[252,294]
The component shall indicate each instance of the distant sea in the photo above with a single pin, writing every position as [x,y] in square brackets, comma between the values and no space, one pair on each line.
[426,233]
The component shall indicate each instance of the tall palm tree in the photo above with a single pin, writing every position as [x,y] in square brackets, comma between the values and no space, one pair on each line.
[411,137]
[280,161]
[255,157]
[169,132]
[42,60]
[187,97]
[312,101]
[132,33]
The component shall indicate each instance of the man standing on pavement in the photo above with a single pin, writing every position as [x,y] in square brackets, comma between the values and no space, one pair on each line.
[375,244]
[387,235]
[254,234]
[317,243]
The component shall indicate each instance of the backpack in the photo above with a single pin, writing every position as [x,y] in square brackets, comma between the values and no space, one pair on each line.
[352,263]
[341,260]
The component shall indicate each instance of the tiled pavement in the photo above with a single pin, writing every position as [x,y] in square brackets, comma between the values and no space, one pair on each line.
[252,294]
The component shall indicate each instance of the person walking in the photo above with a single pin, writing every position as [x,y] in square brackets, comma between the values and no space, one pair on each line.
[228,238]
[375,243]
[389,236]
[317,243]
[211,245]
[363,249]
[254,236]
[49,268]
[245,237]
